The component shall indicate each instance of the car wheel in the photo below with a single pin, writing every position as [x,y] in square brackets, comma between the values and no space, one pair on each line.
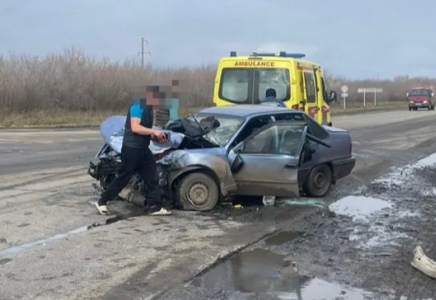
[318,182]
[198,191]
[410,108]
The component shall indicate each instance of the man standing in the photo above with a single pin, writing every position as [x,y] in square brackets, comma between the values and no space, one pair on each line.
[137,156]
[271,98]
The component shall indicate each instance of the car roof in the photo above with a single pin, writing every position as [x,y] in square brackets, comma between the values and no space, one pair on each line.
[245,110]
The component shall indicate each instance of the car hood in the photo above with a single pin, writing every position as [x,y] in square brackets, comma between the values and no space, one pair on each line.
[112,131]
[419,98]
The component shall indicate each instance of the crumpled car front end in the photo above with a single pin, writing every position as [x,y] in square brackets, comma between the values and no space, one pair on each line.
[180,156]
[211,160]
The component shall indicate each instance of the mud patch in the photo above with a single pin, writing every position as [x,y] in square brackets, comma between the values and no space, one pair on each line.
[359,207]
[282,237]
[5,261]
[263,272]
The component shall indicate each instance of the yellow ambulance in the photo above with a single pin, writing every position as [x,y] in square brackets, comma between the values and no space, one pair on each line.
[298,83]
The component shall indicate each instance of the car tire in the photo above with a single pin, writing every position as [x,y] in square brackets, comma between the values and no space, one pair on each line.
[410,109]
[198,191]
[318,182]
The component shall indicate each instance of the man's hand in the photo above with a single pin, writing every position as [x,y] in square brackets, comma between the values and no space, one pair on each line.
[159,136]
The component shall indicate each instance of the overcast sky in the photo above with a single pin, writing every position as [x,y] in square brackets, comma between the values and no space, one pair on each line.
[352,38]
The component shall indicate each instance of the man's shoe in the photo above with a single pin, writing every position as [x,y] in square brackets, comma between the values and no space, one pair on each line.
[101,207]
[161,212]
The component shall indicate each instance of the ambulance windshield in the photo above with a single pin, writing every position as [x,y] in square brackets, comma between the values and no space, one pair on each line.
[249,85]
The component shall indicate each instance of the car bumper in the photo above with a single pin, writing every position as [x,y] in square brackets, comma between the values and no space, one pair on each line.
[102,169]
[419,105]
[343,167]
[92,170]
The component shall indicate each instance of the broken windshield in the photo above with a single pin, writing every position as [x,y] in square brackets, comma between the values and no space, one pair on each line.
[229,125]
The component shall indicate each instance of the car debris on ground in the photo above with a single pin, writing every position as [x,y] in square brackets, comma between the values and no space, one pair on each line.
[423,263]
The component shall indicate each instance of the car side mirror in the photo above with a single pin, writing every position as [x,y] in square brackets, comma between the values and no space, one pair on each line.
[239,148]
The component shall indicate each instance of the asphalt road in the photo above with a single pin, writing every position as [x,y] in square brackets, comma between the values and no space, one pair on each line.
[45,191]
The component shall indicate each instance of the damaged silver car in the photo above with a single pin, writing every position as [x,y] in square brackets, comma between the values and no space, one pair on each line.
[247,150]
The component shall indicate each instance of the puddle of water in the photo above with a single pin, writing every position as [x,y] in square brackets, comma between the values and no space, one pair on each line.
[317,289]
[282,237]
[20,248]
[303,202]
[358,207]
[261,271]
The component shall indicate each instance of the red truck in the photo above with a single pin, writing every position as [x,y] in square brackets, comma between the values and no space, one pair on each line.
[421,97]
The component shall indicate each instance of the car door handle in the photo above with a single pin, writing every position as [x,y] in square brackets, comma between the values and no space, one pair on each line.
[291,165]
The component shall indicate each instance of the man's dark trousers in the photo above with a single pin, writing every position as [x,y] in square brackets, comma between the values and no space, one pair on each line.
[141,161]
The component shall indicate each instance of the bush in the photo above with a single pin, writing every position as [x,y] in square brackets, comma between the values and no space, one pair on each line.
[74,81]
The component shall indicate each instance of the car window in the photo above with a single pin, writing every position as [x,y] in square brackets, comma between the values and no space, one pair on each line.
[235,85]
[290,137]
[278,139]
[289,117]
[309,78]
[324,90]
[316,130]
[229,125]
[252,125]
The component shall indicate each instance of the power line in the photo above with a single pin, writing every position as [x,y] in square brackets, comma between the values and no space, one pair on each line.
[143,52]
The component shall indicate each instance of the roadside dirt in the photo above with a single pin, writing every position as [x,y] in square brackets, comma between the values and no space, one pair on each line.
[357,247]
[136,258]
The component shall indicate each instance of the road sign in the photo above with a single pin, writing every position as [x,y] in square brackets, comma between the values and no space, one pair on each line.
[344,94]
[344,88]
[370,90]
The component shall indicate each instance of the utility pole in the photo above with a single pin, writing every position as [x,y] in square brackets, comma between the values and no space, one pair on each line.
[143,52]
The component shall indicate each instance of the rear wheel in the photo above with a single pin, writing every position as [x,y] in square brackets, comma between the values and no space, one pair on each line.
[198,191]
[318,182]
[410,108]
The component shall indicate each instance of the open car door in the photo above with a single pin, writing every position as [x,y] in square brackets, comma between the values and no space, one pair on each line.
[267,162]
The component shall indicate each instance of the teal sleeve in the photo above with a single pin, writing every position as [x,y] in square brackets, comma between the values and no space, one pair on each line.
[136,111]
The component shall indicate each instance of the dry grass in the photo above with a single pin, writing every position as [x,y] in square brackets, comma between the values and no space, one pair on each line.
[72,88]
[59,118]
